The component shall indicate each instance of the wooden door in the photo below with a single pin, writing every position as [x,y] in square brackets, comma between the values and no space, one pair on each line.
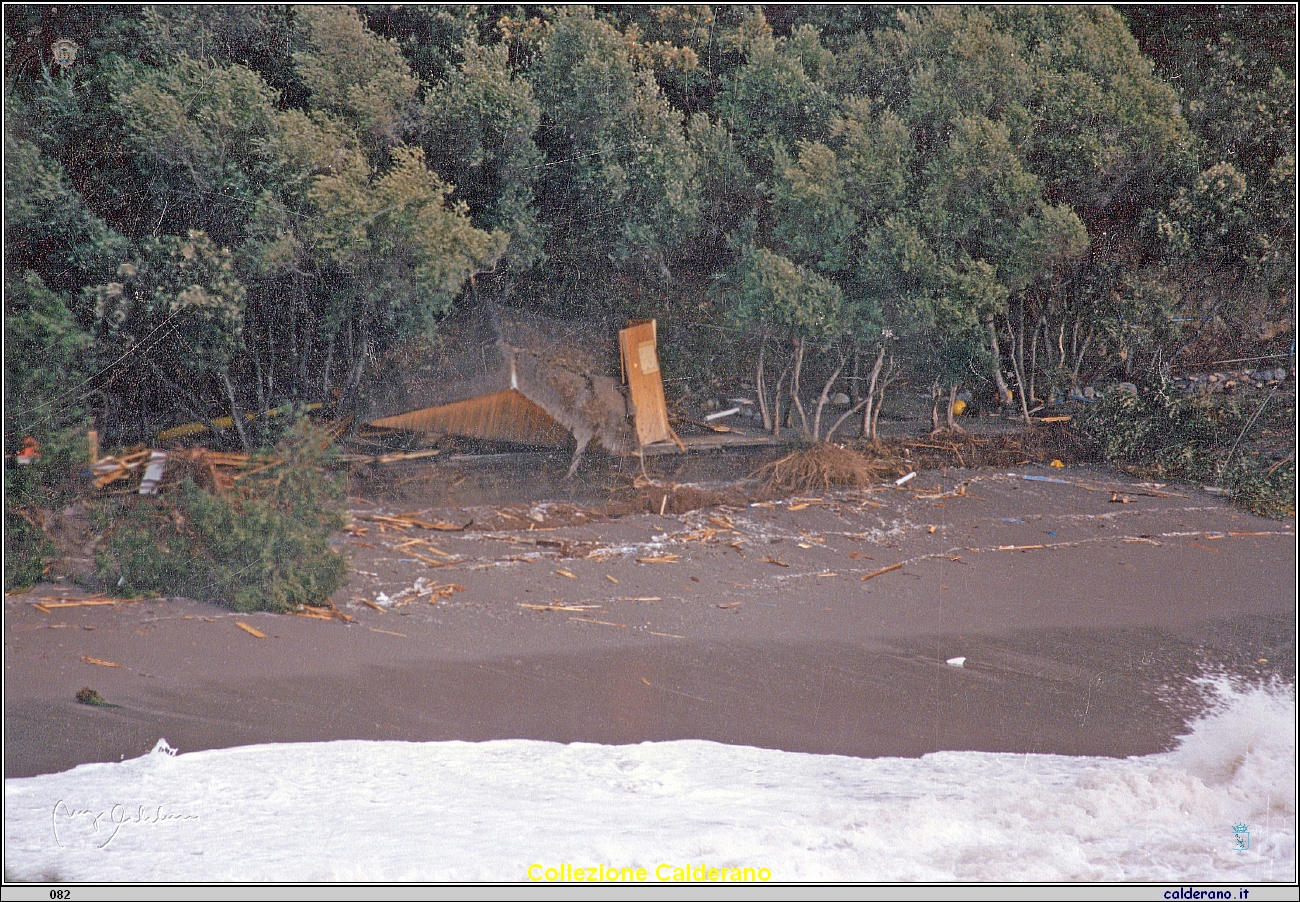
[637,345]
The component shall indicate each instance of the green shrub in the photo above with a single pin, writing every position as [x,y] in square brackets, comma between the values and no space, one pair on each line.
[264,546]
[1201,440]
[47,483]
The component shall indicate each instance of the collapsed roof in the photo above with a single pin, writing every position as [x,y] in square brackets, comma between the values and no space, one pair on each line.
[508,375]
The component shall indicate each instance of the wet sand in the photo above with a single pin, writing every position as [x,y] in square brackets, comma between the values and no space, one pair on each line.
[1085,624]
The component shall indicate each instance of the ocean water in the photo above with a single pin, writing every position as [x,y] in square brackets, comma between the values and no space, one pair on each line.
[515,810]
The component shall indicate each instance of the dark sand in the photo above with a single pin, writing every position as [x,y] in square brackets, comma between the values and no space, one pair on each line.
[1090,645]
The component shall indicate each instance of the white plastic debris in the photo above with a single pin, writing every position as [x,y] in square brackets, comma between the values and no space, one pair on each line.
[904,480]
[163,747]
[153,474]
[383,600]
[957,662]
[720,414]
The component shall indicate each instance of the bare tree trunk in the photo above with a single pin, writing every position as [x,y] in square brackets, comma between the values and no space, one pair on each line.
[235,413]
[762,390]
[1033,355]
[776,402]
[1020,384]
[934,407]
[890,375]
[952,401]
[794,385]
[1004,393]
[871,395]
[1078,360]
[840,422]
[821,401]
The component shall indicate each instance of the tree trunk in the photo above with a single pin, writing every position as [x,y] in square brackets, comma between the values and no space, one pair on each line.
[952,400]
[867,433]
[821,401]
[1004,393]
[844,416]
[1020,384]
[934,407]
[762,391]
[1033,356]
[235,413]
[794,385]
[889,376]
[776,402]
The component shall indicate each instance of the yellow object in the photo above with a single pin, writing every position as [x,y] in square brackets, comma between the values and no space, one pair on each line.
[958,407]
[1058,464]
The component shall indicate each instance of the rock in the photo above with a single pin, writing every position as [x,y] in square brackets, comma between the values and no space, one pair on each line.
[1127,388]
[839,399]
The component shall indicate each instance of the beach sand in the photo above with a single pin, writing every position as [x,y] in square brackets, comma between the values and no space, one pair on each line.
[1084,622]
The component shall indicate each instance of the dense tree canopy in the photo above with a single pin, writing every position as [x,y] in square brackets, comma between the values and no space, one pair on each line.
[221,209]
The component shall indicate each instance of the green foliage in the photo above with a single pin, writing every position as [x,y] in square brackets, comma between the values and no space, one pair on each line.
[266,548]
[768,288]
[477,128]
[621,179]
[48,228]
[182,304]
[1197,440]
[773,100]
[354,74]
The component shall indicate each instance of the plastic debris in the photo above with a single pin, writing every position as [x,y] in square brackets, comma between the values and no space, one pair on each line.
[956,662]
[904,480]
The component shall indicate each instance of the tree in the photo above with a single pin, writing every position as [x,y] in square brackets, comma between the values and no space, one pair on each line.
[620,182]
[477,129]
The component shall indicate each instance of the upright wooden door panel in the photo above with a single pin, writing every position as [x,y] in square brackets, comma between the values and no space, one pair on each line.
[637,346]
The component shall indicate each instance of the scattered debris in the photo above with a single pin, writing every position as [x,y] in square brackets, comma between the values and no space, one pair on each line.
[772,560]
[88,696]
[958,662]
[248,629]
[659,559]
[387,458]
[153,473]
[561,607]
[374,629]
[567,573]
[904,480]
[875,573]
[89,660]
[601,622]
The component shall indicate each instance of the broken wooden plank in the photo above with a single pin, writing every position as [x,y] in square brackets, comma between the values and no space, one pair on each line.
[89,660]
[601,622]
[250,630]
[875,573]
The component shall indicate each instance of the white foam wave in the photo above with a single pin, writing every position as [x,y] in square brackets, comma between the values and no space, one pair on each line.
[392,811]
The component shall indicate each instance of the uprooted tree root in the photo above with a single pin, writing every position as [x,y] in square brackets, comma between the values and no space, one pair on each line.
[823,465]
